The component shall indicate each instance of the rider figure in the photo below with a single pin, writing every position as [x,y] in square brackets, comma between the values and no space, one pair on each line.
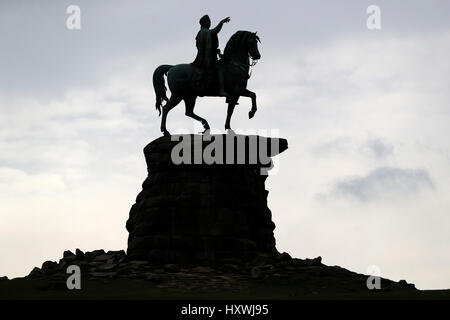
[207,44]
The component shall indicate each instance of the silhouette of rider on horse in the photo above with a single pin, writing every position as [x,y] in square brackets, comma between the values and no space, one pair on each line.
[207,76]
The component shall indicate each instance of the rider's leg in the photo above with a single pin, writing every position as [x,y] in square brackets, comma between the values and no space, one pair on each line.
[222,91]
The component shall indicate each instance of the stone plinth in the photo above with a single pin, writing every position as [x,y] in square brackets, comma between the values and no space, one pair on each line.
[204,200]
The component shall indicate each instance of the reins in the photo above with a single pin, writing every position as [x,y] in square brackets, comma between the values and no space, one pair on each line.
[253,63]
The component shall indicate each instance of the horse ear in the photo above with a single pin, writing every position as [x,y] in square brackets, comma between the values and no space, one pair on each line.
[257,37]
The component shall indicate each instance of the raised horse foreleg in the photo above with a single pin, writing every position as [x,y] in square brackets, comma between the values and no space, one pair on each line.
[252,95]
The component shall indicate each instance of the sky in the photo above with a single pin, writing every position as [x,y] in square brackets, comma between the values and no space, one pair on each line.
[366,178]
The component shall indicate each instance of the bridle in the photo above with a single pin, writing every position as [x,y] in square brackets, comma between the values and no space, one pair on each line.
[253,63]
[244,66]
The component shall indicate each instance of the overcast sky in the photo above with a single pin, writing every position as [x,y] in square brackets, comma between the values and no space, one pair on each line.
[366,178]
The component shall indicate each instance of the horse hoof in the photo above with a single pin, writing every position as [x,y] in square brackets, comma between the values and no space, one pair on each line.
[231,131]
[206,132]
[251,114]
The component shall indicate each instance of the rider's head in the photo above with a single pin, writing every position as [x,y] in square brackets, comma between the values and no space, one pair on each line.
[205,22]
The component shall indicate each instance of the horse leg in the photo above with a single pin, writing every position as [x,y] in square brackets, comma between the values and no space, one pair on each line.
[173,101]
[190,104]
[252,95]
[231,104]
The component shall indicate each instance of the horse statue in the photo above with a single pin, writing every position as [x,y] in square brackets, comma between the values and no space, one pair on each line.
[235,65]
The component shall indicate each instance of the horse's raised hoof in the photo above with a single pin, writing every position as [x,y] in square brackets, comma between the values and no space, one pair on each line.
[251,113]
[206,132]
[231,132]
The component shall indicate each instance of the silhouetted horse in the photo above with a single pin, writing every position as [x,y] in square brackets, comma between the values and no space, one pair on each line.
[235,64]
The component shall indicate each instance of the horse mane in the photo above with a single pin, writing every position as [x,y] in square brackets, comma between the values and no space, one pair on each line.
[236,41]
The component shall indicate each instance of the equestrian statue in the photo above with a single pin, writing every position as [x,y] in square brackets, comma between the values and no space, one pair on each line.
[211,74]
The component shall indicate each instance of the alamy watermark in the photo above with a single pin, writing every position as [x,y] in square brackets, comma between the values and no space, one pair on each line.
[229,149]
[374,280]
[374,19]
[74,280]
[73,21]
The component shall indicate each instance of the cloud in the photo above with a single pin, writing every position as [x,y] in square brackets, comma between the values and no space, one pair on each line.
[384,183]
[372,147]
[16,183]
[335,145]
[377,148]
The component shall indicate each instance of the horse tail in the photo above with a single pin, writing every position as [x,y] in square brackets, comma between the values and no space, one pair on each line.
[159,85]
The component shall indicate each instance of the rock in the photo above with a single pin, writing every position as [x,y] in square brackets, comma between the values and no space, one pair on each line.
[256,273]
[49,267]
[154,278]
[98,252]
[314,262]
[138,263]
[103,274]
[202,269]
[79,254]
[267,268]
[284,257]
[62,265]
[299,262]
[172,267]
[232,268]
[404,284]
[67,253]
[107,267]
[278,275]
[69,258]
[117,254]
[95,264]
[231,261]
[122,260]
[36,272]
[102,257]
[263,259]
[84,265]
[88,256]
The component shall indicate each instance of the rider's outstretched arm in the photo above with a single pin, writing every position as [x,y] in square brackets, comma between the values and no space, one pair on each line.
[219,26]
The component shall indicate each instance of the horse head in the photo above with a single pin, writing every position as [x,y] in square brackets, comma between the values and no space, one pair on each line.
[253,51]
[242,44]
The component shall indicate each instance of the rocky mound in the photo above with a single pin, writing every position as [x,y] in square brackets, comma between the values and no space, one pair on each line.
[309,275]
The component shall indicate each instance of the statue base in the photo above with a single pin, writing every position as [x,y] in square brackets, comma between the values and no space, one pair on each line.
[204,200]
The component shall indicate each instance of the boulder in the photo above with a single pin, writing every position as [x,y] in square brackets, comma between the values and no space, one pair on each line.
[79,254]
